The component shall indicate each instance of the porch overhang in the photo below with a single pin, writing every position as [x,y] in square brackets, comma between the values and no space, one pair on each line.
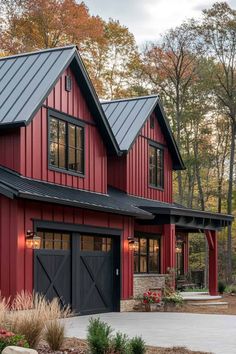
[188,220]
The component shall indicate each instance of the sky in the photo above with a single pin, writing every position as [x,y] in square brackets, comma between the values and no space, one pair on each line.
[147,19]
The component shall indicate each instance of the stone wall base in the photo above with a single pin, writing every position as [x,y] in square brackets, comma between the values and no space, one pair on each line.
[144,282]
[127,305]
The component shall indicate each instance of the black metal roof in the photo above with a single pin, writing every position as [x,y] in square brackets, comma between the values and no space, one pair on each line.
[13,185]
[172,213]
[27,79]
[127,117]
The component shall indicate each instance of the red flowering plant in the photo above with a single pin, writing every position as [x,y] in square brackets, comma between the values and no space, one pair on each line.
[151,297]
[8,338]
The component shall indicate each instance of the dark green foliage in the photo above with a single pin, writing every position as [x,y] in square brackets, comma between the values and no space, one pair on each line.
[221,286]
[10,339]
[137,345]
[120,343]
[98,336]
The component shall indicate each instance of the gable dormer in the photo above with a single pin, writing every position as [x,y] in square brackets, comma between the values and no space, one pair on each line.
[150,153]
[52,127]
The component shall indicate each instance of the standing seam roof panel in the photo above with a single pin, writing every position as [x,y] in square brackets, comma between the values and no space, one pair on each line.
[16,69]
[5,67]
[14,100]
[20,82]
[38,93]
[25,79]
[131,131]
[130,118]
[123,116]
[114,117]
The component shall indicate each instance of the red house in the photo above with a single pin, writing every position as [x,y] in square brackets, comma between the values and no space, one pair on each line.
[81,181]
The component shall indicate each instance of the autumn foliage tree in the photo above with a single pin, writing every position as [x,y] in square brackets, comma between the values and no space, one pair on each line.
[28,25]
[108,48]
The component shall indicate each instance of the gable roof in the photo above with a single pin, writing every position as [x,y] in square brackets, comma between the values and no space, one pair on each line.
[127,117]
[27,79]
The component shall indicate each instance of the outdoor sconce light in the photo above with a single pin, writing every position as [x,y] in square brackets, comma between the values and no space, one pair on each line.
[133,244]
[32,240]
[156,248]
[178,250]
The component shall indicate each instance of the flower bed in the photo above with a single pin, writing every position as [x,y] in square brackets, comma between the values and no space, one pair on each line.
[8,338]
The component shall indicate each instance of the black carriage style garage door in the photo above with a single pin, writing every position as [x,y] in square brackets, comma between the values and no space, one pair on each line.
[80,270]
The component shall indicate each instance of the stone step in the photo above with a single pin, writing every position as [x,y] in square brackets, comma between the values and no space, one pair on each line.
[202,298]
[193,293]
[219,304]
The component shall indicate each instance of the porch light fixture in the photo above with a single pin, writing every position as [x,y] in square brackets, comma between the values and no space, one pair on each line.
[133,244]
[178,250]
[156,248]
[32,240]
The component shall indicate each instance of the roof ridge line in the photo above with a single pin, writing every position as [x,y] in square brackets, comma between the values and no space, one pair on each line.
[129,98]
[38,52]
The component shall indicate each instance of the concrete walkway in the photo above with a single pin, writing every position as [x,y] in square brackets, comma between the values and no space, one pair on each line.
[210,333]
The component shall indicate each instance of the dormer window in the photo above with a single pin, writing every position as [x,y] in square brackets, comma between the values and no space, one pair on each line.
[156,166]
[66,145]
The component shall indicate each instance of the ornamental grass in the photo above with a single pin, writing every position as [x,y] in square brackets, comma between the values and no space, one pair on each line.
[30,315]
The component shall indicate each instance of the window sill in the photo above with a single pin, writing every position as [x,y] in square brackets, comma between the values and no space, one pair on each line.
[67,172]
[157,188]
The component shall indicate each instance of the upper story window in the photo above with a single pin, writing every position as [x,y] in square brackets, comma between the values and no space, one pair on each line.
[66,145]
[156,166]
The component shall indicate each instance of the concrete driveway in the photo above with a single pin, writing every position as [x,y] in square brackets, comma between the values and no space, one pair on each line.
[210,333]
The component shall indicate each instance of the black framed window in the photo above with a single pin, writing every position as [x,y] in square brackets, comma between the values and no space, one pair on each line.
[66,145]
[147,255]
[156,166]
[54,240]
[95,243]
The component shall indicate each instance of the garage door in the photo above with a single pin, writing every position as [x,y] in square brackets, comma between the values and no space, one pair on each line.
[78,269]
[96,275]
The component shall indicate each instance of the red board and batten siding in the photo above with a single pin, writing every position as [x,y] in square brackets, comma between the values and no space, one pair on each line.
[9,149]
[34,142]
[136,167]
[16,271]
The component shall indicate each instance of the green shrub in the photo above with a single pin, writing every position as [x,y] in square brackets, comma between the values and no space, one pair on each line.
[8,338]
[173,298]
[221,286]
[137,345]
[120,343]
[98,336]
[231,289]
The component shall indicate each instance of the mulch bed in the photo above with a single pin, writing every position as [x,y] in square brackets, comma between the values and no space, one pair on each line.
[79,346]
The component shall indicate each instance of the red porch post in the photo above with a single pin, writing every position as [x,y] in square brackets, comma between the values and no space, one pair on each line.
[169,253]
[213,261]
[186,254]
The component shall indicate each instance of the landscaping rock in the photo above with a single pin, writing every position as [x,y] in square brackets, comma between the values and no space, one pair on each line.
[20,350]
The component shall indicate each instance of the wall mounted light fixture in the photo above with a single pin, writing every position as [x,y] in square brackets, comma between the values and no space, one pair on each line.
[32,240]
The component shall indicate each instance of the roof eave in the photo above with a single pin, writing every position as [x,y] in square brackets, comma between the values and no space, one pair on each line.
[178,164]
[60,201]
[188,212]
[107,131]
